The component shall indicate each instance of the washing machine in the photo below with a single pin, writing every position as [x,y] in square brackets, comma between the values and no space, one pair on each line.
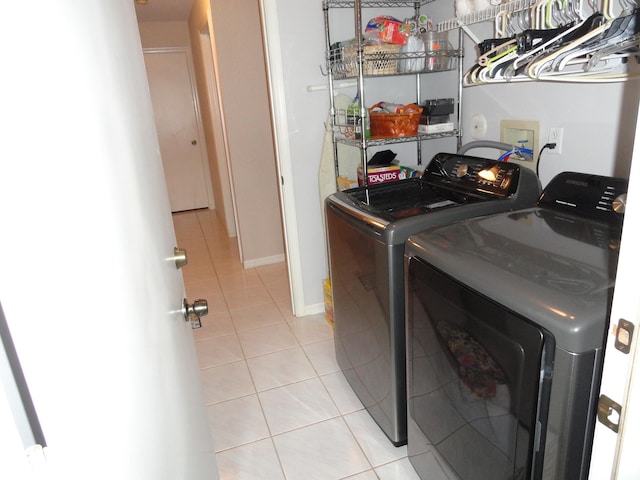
[506,322]
[367,229]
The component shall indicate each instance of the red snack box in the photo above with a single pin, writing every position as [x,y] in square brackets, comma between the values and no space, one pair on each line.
[376,175]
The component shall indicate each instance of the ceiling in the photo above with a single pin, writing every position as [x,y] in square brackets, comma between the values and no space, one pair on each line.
[164,11]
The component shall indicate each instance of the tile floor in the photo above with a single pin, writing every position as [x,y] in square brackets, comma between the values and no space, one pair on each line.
[278,405]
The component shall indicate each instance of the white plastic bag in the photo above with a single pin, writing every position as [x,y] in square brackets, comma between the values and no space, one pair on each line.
[414,45]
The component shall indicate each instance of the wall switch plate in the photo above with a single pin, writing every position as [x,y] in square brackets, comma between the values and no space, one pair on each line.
[522,133]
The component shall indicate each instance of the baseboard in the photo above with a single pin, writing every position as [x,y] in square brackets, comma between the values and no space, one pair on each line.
[312,310]
[258,262]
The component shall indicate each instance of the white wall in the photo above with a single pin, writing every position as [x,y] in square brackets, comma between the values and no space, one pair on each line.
[301,50]
[164,34]
[598,120]
[243,83]
[204,64]
[249,139]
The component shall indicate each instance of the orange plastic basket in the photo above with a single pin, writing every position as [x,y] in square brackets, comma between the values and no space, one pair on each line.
[403,123]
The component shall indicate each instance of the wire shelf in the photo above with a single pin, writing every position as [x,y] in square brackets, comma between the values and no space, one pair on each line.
[343,62]
[376,142]
[374,3]
[485,15]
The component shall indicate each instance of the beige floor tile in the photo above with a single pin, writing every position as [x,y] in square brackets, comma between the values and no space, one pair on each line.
[218,351]
[249,318]
[237,422]
[280,368]
[324,451]
[226,382]
[254,461]
[239,299]
[264,340]
[251,342]
[297,405]
[214,325]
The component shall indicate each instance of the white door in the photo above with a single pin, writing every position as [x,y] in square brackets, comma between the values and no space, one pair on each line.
[88,285]
[615,455]
[175,107]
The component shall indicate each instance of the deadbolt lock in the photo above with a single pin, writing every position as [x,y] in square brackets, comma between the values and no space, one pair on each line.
[179,257]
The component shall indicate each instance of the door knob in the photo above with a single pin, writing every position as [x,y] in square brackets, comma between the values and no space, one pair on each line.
[193,312]
[180,257]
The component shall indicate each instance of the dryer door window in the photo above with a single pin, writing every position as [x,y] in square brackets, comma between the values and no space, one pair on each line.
[479,377]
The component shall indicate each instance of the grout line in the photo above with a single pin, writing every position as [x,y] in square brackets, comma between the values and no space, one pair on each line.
[287,316]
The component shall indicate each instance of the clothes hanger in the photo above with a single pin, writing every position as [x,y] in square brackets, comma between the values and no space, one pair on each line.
[558,37]
[470,77]
[581,49]
[502,66]
[581,33]
[619,30]
[543,62]
[538,14]
[619,51]
[589,72]
[614,32]
[498,56]
[498,51]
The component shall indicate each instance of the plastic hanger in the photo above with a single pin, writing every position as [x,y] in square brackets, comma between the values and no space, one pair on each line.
[577,49]
[619,29]
[502,46]
[608,38]
[603,73]
[563,35]
[575,36]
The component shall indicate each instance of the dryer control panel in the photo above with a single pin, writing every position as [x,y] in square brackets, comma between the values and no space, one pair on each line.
[592,196]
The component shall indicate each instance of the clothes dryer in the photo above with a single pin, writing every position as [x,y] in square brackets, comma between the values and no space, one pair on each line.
[506,320]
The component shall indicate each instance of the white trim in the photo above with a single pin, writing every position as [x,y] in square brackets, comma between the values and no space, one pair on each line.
[218,94]
[313,309]
[210,78]
[614,454]
[271,33]
[258,262]
[209,72]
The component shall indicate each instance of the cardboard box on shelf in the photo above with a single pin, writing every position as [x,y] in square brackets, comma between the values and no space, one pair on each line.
[345,183]
[375,175]
[328,301]
[389,173]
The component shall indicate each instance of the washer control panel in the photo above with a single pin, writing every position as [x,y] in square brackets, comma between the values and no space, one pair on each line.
[473,174]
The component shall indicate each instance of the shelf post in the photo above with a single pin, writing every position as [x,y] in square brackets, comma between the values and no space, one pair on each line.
[460,73]
[361,101]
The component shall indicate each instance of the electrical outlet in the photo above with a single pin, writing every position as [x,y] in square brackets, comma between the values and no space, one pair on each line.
[555,136]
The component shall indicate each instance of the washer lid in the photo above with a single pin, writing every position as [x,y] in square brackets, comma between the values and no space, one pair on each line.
[450,180]
[554,268]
